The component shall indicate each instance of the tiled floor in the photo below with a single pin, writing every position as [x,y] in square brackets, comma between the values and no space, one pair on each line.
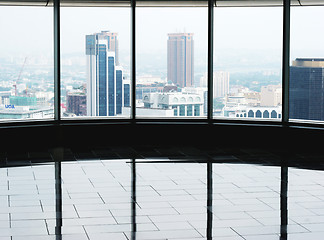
[161,193]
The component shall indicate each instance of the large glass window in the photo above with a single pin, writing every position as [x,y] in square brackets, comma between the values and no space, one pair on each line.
[306,86]
[95,60]
[247,63]
[26,63]
[171,62]
[171,48]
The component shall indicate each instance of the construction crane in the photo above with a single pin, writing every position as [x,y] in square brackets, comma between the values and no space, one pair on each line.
[22,68]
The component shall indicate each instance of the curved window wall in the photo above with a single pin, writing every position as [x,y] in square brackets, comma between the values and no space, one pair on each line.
[185,60]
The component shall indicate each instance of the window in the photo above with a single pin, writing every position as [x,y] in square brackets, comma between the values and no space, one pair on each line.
[247,62]
[95,78]
[170,59]
[306,83]
[171,48]
[26,63]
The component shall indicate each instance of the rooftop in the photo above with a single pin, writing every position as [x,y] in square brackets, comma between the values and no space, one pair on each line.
[310,59]
[309,62]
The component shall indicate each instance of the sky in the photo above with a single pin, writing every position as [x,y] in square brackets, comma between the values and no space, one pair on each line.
[29,30]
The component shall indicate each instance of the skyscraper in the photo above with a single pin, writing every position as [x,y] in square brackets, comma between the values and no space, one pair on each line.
[110,39]
[104,77]
[306,89]
[181,59]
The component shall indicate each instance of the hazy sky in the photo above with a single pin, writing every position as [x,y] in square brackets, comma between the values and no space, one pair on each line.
[28,30]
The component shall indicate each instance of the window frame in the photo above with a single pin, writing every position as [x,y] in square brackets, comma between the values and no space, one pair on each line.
[132,4]
[210,4]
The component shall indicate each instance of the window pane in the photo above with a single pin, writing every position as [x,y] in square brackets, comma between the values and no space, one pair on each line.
[95,45]
[247,63]
[26,63]
[171,48]
[306,87]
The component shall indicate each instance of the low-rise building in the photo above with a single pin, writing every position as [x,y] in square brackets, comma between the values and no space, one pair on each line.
[25,112]
[182,104]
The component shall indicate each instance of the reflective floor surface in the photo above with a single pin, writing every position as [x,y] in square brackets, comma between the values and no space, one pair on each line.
[168,193]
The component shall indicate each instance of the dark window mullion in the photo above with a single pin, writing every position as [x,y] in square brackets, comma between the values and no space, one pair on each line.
[57,62]
[210,62]
[285,61]
[133,59]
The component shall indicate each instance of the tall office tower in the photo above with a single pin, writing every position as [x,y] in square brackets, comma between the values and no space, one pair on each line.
[104,78]
[181,59]
[306,89]
[110,39]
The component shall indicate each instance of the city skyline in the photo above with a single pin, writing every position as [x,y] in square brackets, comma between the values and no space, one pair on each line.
[249,50]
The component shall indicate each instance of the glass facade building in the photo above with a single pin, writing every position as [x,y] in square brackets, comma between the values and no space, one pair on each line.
[307,89]
[104,76]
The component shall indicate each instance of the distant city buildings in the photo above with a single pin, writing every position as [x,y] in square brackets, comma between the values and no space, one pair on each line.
[253,112]
[248,104]
[271,95]
[181,104]
[220,83]
[180,62]
[23,101]
[97,86]
[148,84]
[26,107]
[76,103]
[306,89]
[106,89]
[11,111]
[4,97]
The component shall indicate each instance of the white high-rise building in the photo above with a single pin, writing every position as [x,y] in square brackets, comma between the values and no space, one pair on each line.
[220,83]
